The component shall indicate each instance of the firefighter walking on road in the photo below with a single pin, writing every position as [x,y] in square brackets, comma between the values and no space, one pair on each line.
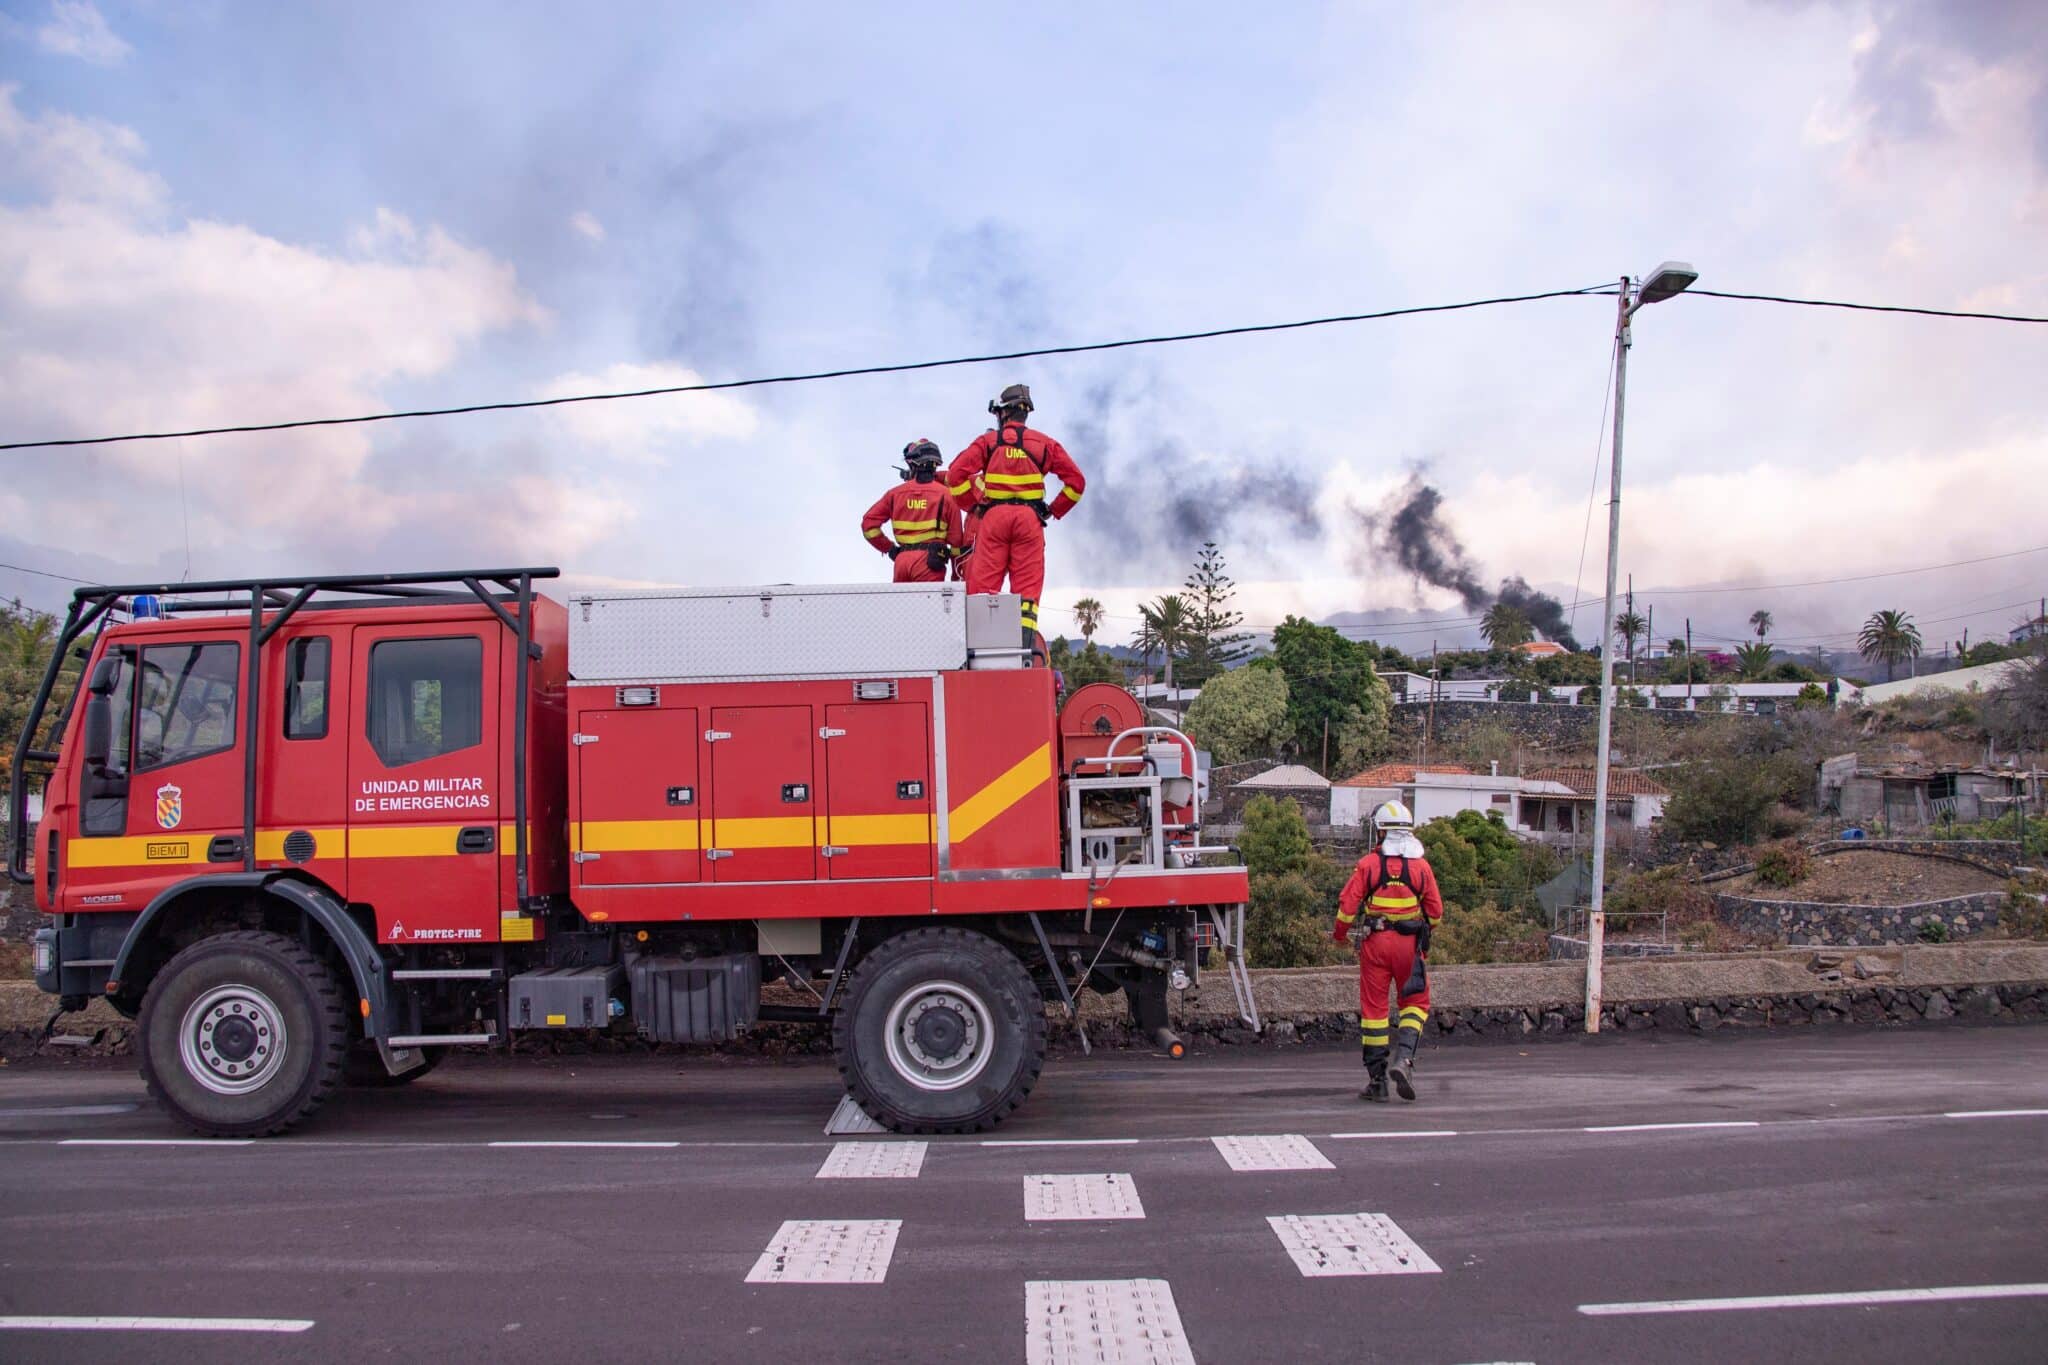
[1002,477]
[1392,900]
[922,516]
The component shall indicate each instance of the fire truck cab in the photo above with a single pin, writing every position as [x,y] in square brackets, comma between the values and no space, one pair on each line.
[319,830]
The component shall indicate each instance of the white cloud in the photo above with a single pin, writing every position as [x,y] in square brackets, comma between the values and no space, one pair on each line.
[76,28]
[116,315]
[643,429]
[585,223]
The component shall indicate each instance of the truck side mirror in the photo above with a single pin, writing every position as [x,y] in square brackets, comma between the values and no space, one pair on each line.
[98,737]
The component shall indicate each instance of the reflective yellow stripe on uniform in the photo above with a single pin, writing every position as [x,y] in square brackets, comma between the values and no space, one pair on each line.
[1413,1015]
[1372,1032]
[1070,493]
[916,532]
[1014,487]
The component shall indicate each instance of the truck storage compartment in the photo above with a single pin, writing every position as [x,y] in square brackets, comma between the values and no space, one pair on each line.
[695,1000]
[565,997]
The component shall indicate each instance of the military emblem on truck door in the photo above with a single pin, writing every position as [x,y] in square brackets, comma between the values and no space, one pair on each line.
[170,805]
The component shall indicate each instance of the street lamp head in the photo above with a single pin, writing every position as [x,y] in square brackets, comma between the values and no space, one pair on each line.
[1672,277]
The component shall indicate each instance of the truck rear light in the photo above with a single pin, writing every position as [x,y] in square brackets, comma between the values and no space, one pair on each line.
[45,956]
[875,689]
[639,696]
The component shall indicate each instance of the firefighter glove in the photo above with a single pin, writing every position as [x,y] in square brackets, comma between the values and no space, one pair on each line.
[935,557]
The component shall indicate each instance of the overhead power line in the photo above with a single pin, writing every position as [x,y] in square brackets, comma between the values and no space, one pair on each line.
[903,368]
[45,573]
[1865,307]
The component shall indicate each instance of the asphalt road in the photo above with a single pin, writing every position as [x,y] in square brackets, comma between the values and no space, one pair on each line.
[395,1229]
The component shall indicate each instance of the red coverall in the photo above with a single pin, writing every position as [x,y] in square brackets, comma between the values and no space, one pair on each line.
[1001,479]
[1399,891]
[920,515]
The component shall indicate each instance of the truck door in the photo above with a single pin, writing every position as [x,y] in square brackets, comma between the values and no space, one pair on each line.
[175,750]
[878,798]
[640,800]
[763,795]
[424,799]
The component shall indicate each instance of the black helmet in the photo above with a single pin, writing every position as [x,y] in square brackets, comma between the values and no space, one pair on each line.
[922,451]
[1016,396]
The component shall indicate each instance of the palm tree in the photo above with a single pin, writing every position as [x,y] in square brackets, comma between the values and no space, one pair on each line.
[1760,622]
[1088,616]
[1631,625]
[1753,659]
[1889,638]
[1168,622]
[1506,626]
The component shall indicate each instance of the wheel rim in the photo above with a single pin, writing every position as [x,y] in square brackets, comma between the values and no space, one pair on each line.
[940,1035]
[232,1039]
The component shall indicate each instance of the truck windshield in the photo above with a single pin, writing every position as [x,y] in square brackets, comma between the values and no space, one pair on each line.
[186,704]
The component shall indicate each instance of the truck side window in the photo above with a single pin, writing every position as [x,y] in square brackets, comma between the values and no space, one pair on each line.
[426,697]
[185,702]
[305,689]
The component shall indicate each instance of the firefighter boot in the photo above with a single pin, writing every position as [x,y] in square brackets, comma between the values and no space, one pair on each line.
[1375,1076]
[1403,1068]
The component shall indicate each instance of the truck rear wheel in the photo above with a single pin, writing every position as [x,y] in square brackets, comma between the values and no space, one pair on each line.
[243,1034]
[942,1031]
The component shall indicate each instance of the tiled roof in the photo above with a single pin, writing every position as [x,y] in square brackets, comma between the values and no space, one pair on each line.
[1620,781]
[1401,774]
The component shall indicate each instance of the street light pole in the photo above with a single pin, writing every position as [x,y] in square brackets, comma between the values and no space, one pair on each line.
[1596,917]
[1668,279]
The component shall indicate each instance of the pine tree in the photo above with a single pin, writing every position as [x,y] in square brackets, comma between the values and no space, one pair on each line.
[1213,641]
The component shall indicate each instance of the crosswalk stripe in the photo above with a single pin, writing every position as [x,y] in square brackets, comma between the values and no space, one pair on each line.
[1350,1244]
[1133,1322]
[835,1251]
[873,1161]
[1284,1152]
[1064,1198]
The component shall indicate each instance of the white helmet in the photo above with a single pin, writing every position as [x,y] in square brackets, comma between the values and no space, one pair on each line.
[1394,826]
[1392,815]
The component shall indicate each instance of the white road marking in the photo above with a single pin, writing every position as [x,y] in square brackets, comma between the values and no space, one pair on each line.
[1134,1322]
[585,1143]
[1861,1298]
[1350,1244]
[1994,1113]
[156,1142]
[1667,1127]
[1285,1152]
[841,1251]
[873,1161]
[1415,1132]
[1060,1198]
[1061,1142]
[51,1324]
[69,1111]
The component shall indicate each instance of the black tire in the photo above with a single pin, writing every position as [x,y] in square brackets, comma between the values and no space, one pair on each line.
[957,1074]
[365,1068]
[209,1063]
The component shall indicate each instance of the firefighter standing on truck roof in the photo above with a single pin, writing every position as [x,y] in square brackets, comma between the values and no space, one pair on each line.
[923,516]
[1002,476]
[1400,907]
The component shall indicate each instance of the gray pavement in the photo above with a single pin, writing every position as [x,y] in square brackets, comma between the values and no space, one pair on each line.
[395,1228]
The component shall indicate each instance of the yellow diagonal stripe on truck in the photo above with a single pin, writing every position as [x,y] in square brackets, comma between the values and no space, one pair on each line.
[998,796]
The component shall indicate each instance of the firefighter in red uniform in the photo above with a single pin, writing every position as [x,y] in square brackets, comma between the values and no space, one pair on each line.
[1001,477]
[1392,898]
[923,516]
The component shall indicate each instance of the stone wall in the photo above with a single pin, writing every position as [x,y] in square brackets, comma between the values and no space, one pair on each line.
[1996,856]
[1541,725]
[1811,922]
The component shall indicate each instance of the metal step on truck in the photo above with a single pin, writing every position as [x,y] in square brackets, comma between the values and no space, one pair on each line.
[321,830]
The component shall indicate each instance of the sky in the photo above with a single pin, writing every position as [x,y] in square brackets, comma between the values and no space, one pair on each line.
[218,213]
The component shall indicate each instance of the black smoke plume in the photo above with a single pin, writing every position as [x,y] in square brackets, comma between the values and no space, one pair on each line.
[1409,529]
[1152,501]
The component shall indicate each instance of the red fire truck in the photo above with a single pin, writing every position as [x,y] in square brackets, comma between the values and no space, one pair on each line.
[314,830]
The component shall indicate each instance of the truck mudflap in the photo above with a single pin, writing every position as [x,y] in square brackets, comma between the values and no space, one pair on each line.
[367,969]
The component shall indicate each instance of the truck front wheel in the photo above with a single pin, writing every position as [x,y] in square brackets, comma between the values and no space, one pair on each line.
[243,1034]
[942,1031]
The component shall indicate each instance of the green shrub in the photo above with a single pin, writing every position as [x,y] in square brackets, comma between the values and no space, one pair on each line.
[1487,933]
[1288,924]
[1729,799]
[1933,931]
[1784,864]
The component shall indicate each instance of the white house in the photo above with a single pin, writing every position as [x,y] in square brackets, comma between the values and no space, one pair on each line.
[1549,801]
